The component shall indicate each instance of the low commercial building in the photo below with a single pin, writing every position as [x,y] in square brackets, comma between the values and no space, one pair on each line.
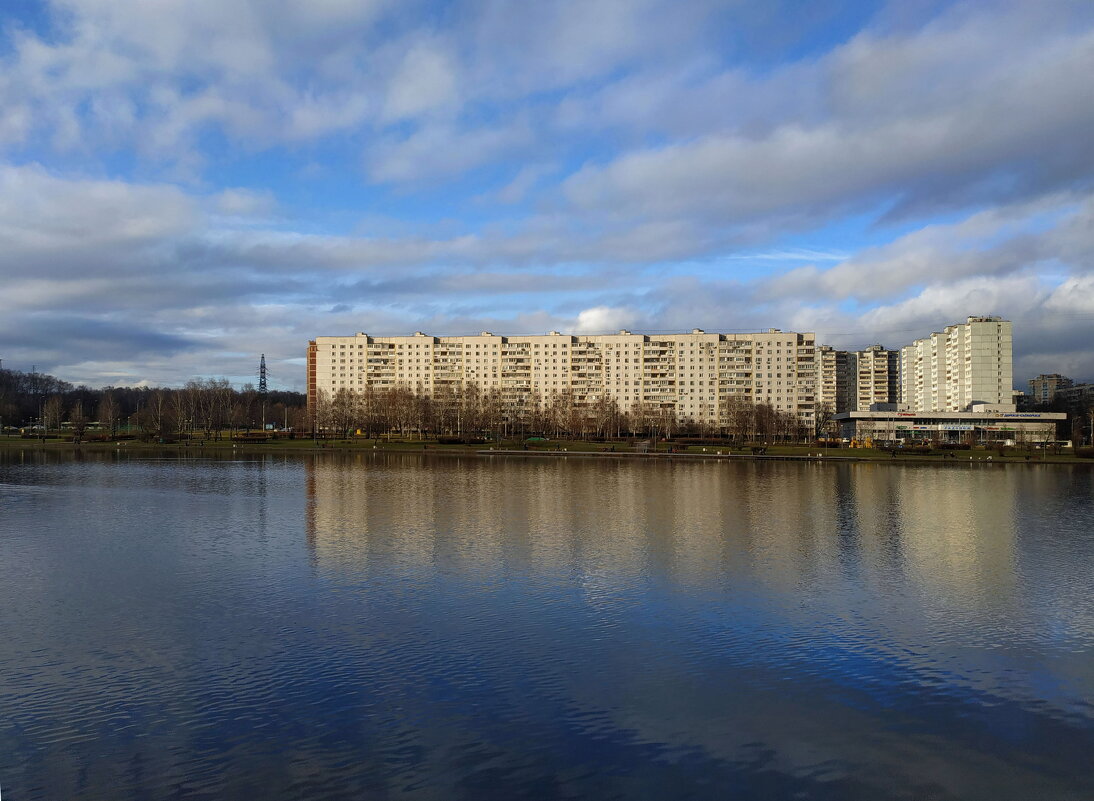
[984,424]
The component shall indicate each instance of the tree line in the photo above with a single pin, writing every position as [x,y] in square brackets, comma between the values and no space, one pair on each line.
[466,411]
[1079,425]
[204,406]
[209,407]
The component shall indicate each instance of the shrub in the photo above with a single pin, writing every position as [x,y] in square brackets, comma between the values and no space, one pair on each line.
[1085,453]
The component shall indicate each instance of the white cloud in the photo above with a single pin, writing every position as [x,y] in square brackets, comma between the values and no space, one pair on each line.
[440,150]
[152,76]
[604,319]
[43,215]
[522,183]
[906,122]
[996,242]
[425,81]
[971,129]
[239,202]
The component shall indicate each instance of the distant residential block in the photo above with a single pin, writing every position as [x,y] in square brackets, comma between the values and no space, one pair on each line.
[692,374]
[877,377]
[1076,395]
[964,364]
[1044,387]
[835,379]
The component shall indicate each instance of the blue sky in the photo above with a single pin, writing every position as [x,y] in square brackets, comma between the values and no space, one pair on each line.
[185,184]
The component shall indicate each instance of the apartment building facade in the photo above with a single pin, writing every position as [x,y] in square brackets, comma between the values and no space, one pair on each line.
[1044,387]
[877,377]
[692,374]
[966,363]
[835,379]
[1076,395]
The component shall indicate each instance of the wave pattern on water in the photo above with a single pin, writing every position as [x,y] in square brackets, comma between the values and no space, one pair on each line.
[395,626]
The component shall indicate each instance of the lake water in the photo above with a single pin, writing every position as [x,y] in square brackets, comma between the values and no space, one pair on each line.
[427,627]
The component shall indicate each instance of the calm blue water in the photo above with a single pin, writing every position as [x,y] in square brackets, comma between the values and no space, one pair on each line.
[408,627]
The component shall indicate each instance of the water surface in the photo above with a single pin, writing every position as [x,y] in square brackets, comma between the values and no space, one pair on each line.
[407,626]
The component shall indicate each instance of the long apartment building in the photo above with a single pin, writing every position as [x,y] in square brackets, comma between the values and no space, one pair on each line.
[964,364]
[692,374]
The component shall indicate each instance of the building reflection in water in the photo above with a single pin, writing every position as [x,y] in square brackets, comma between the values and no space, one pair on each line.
[811,630]
[850,591]
[948,536]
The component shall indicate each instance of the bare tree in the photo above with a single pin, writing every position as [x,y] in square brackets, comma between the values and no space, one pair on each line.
[343,412]
[742,417]
[204,405]
[51,413]
[664,421]
[224,397]
[210,401]
[321,414]
[78,420]
[469,414]
[560,412]
[607,416]
[368,411]
[184,407]
[638,418]
[764,422]
[108,413]
[822,422]
[243,407]
[491,411]
[156,414]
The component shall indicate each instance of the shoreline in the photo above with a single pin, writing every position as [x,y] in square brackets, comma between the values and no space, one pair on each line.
[775,457]
[802,454]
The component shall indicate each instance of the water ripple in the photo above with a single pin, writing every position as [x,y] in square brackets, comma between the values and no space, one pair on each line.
[330,627]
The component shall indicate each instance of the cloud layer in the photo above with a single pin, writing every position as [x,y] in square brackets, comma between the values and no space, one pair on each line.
[184,185]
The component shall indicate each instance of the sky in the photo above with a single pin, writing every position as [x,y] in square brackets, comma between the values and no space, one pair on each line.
[187,184]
